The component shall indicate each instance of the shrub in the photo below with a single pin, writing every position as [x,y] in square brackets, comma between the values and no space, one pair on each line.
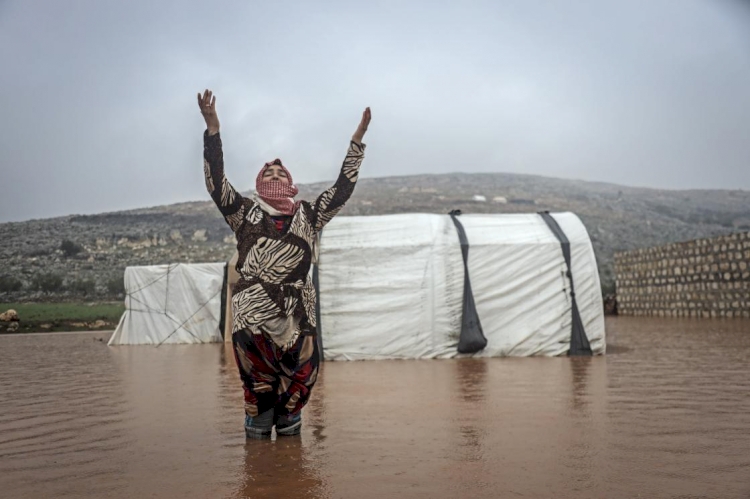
[49,283]
[608,287]
[116,285]
[9,284]
[69,248]
[39,251]
[84,287]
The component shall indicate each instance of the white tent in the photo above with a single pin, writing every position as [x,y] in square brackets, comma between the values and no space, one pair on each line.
[178,303]
[393,287]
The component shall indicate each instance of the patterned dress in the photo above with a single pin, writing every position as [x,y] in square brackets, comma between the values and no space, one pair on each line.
[275,286]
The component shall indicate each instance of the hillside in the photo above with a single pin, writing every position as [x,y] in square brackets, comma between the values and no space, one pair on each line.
[37,266]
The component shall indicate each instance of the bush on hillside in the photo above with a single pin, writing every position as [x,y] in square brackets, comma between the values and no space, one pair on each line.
[82,287]
[116,285]
[48,283]
[69,248]
[9,284]
[36,251]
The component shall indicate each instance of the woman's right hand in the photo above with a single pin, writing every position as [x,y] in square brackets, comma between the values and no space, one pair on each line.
[207,103]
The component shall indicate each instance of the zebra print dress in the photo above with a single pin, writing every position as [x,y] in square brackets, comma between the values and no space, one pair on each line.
[273,265]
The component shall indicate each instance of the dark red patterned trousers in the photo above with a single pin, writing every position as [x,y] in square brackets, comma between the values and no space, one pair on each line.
[272,378]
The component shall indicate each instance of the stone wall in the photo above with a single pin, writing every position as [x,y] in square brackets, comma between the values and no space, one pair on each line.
[700,278]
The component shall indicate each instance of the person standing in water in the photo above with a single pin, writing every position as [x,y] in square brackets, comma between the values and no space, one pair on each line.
[273,303]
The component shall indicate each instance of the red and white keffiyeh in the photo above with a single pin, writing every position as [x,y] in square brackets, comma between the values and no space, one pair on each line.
[276,194]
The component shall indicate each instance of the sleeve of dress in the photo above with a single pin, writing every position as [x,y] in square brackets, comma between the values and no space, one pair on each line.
[230,202]
[330,202]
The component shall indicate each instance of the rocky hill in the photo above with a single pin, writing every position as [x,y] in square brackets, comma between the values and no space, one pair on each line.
[84,256]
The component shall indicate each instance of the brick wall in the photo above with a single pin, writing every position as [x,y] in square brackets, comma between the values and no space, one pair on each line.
[701,278]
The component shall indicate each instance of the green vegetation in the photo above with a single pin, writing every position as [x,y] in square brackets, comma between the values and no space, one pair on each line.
[66,311]
[116,285]
[49,283]
[70,248]
[82,287]
[65,316]
[9,284]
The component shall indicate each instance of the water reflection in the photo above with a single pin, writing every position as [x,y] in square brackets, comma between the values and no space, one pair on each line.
[579,426]
[579,371]
[278,468]
[471,375]
[471,388]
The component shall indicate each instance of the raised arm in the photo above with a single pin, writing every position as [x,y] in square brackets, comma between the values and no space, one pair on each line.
[229,201]
[332,200]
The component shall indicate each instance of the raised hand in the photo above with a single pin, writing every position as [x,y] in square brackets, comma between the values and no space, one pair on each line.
[207,103]
[362,128]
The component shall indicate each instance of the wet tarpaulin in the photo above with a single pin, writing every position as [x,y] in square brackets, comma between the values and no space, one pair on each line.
[392,286]
[176,303]
[579,343]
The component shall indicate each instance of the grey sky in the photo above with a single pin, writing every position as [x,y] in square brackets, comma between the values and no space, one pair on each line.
[99,110]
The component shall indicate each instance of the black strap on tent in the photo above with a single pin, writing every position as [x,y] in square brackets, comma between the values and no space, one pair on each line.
[223,313]
[472,337]
[579,342]
[316,284]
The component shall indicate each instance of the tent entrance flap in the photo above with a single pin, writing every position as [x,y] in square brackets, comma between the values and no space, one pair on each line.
[579,342]
[471,339]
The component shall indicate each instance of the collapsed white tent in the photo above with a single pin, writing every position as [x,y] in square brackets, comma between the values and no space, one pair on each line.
[392,287]
[177,303]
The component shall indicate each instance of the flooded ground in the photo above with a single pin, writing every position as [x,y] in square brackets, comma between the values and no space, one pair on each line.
[666,414]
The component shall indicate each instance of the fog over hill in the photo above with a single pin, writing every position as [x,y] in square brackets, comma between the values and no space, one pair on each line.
[97,248]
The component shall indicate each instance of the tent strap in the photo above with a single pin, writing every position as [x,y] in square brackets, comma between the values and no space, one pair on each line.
[579,342]
[471,339]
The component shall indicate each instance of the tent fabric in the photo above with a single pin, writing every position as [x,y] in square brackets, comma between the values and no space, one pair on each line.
[391,287]
[178,303]
[579,343]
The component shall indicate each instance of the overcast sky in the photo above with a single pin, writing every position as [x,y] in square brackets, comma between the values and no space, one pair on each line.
[99,107]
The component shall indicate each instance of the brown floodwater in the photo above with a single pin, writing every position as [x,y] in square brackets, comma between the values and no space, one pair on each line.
[665,414]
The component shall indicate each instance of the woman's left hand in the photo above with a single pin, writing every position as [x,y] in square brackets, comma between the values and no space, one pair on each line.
[362,128]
